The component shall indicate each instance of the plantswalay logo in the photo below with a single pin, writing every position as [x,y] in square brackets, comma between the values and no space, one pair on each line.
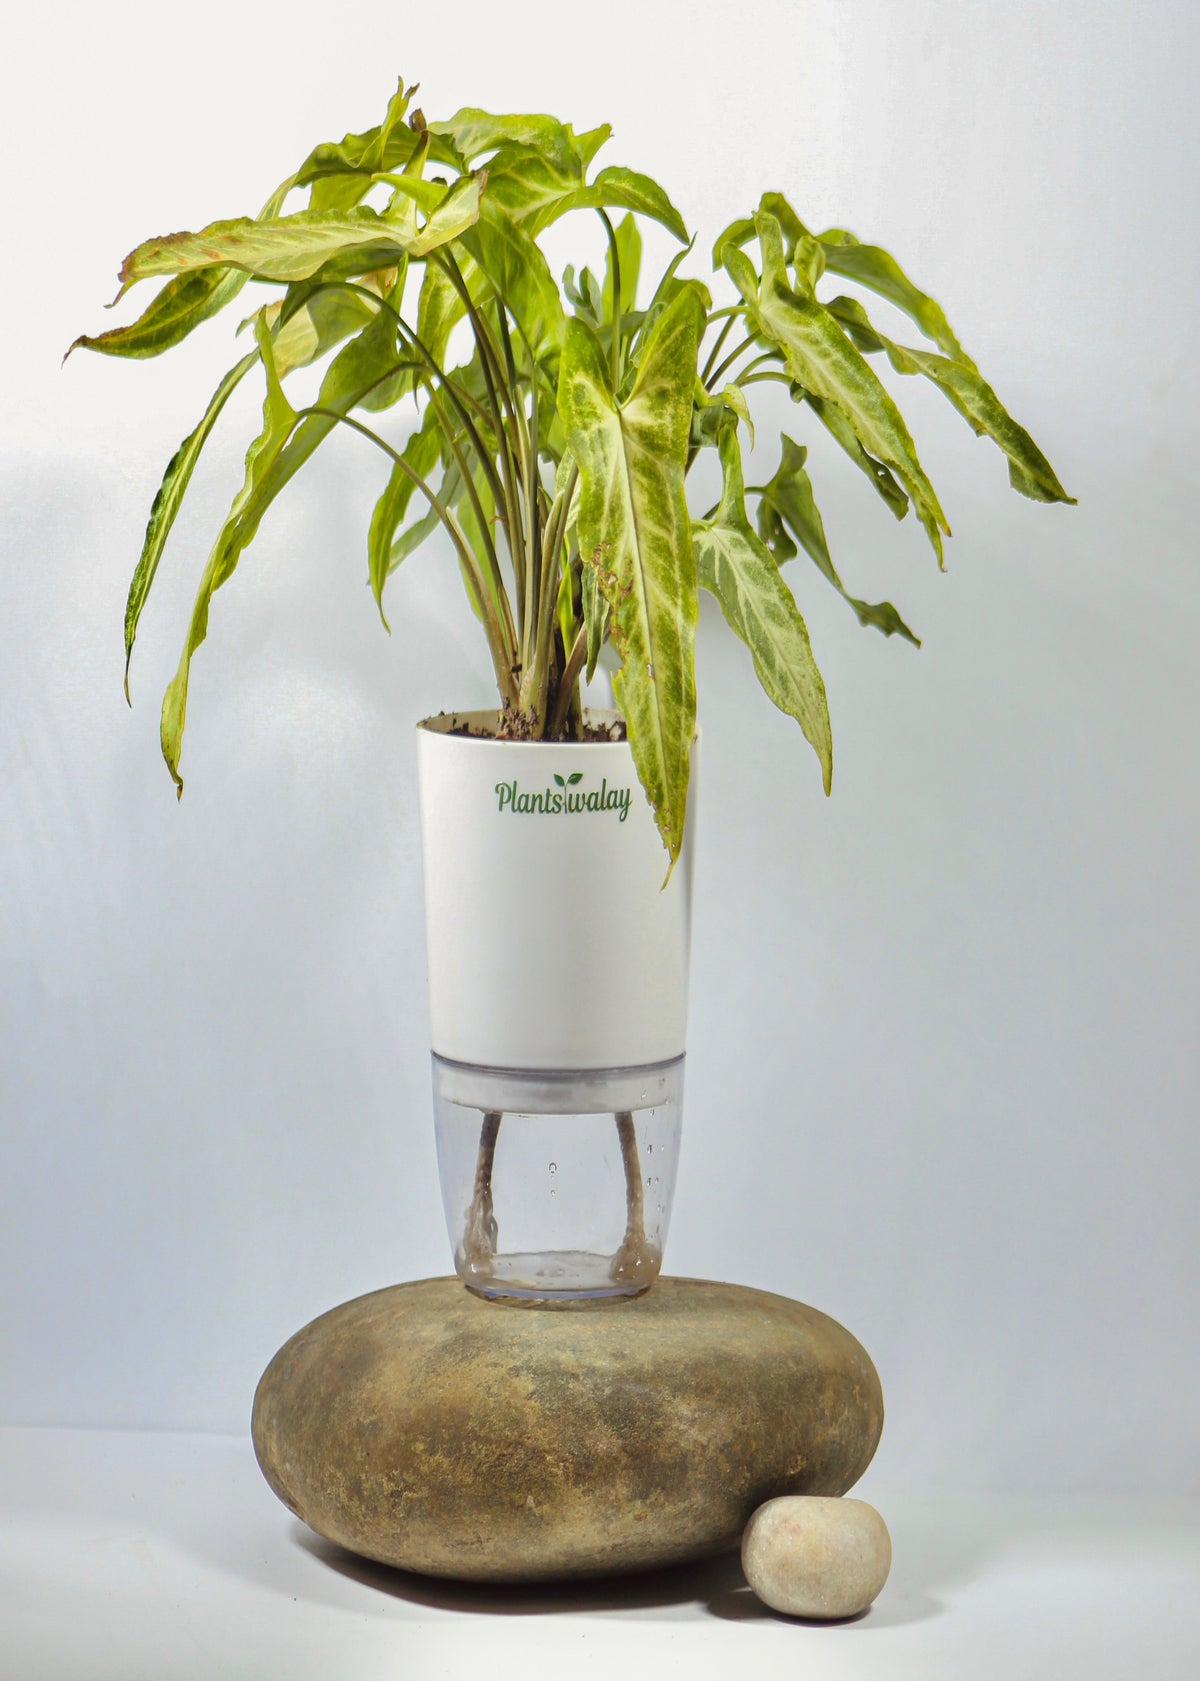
[563,800]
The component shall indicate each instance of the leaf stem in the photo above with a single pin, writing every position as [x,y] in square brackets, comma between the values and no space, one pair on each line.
[566,683]
[501,659]
[721,337]
[745,345]
[615,256]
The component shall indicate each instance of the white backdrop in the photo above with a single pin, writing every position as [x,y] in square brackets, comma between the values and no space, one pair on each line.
[943,1064]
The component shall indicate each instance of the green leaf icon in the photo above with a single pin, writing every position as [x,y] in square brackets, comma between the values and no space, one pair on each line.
[559,780]
[575,776]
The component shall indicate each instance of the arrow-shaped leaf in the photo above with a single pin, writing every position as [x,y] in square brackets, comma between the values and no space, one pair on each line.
[842,430]
[421,452]
[634,528]
[294,247]
[279,419]
[871,266]
[734,565]
[275,456]
[474,132]
[181,305]
[167,503]
[519,273]
[788,509]
[961,382]
[618,189]
[822,360]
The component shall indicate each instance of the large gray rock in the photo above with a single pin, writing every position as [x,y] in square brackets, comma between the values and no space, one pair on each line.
[427,1428]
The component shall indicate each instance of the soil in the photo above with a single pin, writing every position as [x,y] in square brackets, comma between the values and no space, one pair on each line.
[515,727]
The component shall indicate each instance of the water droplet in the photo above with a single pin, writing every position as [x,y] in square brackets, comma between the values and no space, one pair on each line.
[554,1167]
[553,1192]
[649,1149]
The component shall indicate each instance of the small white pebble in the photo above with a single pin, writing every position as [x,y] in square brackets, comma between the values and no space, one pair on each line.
[816,1556]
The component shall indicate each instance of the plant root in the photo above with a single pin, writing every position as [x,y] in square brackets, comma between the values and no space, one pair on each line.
[481,1230]
[637,1260]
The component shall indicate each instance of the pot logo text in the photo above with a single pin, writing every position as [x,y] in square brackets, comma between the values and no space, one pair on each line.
[565,799]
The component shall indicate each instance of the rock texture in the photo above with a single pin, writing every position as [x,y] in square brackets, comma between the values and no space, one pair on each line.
[426,1428]
[817,1558]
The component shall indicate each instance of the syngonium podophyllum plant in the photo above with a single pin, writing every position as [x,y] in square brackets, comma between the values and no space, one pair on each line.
[553,428]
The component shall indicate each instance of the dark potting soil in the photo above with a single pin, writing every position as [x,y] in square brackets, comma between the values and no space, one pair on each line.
[513,729]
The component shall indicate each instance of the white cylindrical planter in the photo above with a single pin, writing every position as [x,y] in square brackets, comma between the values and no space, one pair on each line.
[558,981]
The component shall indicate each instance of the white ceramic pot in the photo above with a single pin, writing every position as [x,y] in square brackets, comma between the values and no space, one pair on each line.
[552,942]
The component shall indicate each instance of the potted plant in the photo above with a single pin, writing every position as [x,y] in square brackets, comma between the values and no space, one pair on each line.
[550,432]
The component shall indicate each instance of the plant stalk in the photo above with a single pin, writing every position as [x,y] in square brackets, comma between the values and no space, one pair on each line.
[479,1238]
[637,1260]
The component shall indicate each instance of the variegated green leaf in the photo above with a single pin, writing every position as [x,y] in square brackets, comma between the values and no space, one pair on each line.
[474,132]
[440,306]
[524,181]
[457,212]
[842,430]
[595,617]
[822,360]
[421,452]
[411,538]
[665,293]
[563,472]
[284,248]
[874,268]
[275,456]
[732,563]
[590,142]
[340,172]
[732,238]
[961,382]
[279,419]
[314,325]
[735,398]
[618,189]
[586,295]
[801,250]
[800,247]
[293,247]
[518,273]
[787,509]
[168,500]
[629,258]
[711,413]
[634,528]
[181,305]
[1028,469]
[411,193]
